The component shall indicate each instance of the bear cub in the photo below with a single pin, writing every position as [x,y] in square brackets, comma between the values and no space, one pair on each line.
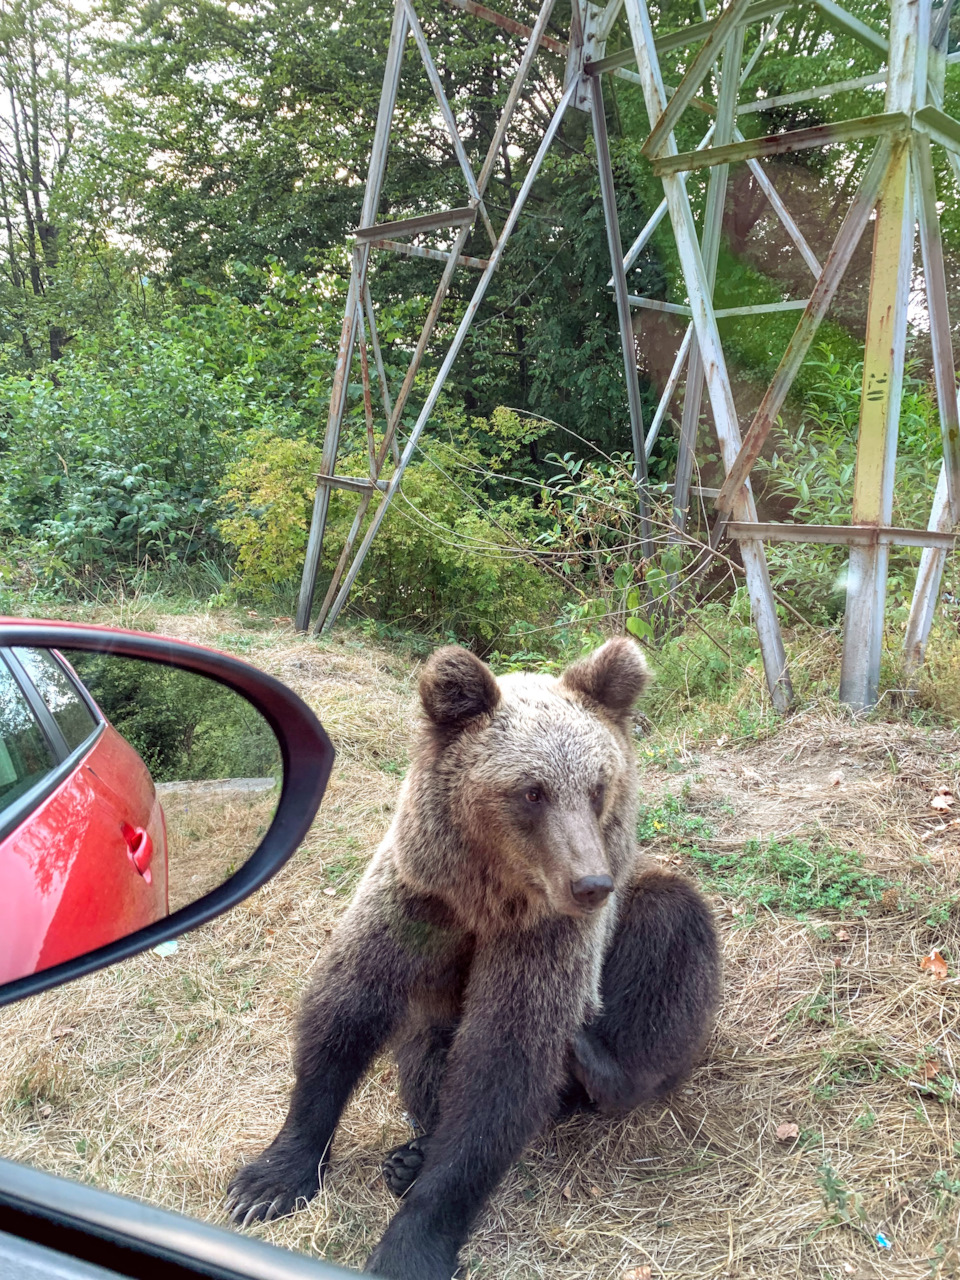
[511,945]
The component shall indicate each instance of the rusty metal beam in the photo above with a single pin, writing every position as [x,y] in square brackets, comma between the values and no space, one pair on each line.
[941,336]
[684,36]
[669,390]
[926,591]
[875,80]
[338,395]
[716,373]
[434,255]
[838,259]
[508,24]
[446,111]
[864,535]
[453,351]
[729,85]
[721,313]
[883,362]
[853,26]
[356,484]
[939,126]
[628,344]
[414,226]
[778,144]
[778,206]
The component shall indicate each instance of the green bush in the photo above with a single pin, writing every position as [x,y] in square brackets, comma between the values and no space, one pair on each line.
[113,460]
[446,560]
[812,473]
[184,726]
[266,502]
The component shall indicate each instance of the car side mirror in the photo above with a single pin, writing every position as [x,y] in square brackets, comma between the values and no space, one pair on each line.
[146,786]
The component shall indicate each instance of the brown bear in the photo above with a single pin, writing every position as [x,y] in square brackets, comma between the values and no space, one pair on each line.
[508,942]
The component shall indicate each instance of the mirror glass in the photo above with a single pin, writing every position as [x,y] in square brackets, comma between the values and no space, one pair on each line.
[127,790]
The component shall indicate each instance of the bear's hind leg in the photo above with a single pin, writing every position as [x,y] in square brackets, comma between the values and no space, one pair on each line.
[421,1062]
[660,988]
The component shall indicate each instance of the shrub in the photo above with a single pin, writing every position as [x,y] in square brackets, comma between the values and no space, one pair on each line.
[267,500]
[114,459]
[447,558]
[812,472]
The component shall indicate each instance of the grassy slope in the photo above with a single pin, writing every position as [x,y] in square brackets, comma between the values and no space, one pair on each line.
[154,1078]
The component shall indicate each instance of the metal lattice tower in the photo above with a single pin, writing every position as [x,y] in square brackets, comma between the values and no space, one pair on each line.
[897,191]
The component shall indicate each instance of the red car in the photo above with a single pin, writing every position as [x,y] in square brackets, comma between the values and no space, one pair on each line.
[83,856]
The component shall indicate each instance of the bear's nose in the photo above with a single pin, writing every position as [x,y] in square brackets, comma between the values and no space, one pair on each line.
[591,891]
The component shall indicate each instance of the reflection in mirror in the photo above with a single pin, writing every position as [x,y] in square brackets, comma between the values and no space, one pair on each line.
[127,790]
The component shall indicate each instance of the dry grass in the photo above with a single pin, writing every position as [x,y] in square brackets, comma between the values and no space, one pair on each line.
[212,828]
[154,1078]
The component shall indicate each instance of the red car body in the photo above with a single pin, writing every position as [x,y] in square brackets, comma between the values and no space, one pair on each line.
[88,864]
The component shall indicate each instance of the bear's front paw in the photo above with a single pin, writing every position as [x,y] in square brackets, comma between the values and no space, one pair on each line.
[273,1185]
[402,1166]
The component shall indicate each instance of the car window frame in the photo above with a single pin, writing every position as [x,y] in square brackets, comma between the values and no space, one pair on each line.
[67,761]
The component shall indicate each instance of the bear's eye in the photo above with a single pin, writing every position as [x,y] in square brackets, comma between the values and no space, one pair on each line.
[596,796]
[533,795]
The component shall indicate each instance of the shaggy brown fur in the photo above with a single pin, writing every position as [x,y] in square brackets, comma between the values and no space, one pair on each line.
[508,941]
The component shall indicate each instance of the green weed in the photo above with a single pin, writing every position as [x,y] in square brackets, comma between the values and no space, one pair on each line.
[791,876]
[672,819]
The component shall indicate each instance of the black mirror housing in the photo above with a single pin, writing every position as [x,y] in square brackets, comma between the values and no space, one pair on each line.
[306,752]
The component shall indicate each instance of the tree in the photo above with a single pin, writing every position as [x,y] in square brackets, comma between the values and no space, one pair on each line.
[42,47]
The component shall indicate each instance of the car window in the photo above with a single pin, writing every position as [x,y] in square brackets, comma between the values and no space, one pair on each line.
[74,718]
[25,754]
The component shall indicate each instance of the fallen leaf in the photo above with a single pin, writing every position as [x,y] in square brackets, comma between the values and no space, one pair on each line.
[944,826]
[46,1112]
[596,1192]
[567,1191]
[788,1132]
[330,893]
[637,1273]
[724,737]
[842,935]
[931,1069]
[59,1032]
[942,801]
[934,963]
[752,775]
[835,778]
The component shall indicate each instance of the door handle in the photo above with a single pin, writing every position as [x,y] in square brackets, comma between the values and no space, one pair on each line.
[140,848]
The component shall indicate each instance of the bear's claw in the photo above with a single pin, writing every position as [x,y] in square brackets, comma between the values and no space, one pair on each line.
[402,1166]
[272,1186]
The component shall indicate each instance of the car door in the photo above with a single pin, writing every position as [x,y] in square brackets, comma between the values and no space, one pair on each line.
[69,881]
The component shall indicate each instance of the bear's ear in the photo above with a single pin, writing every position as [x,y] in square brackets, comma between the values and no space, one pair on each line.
[456,686]
[613,675]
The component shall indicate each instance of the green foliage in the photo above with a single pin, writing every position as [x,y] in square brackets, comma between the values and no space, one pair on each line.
[811,475]
[792,876]
[447,558]
[185,727]
[671,819]
[845,1206]
[116,460]
[267,499]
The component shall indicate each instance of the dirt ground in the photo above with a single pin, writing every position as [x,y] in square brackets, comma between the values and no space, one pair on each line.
[155,1078]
